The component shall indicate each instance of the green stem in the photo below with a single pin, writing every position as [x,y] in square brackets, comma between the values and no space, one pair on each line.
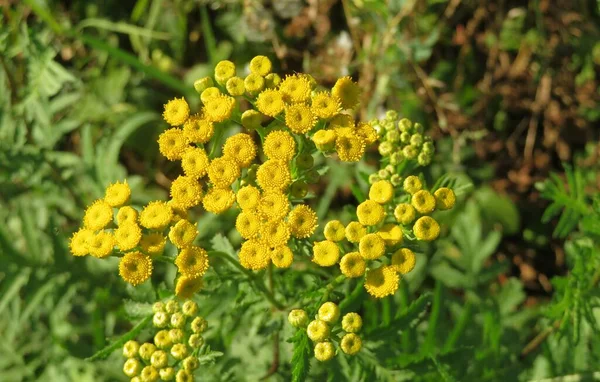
[251,277]
[434,318]
[458,330]
[407,335]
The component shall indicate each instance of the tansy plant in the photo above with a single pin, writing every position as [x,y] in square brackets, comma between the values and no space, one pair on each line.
[264,173]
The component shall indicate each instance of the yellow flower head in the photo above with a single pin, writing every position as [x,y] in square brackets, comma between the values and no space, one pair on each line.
[241,148]
[254,83]
[324,139]
[153,244]
[186,286]
[135,268]
[325,253]
[270,102]
[260,65]
[355,231]
[347,92]
[202,84]
[295,88]
[274,175]
[224,70]
[426,228]
[146,351]
[279,145]
[172,144]
[183,233]
[248,198]
[254,255]
[381,191]
[274,205]
[334,230]
[219,108]
[403,260]
[130,349]
[370,213]
[247,224]
[351,343]
[98,215]
[272,80]
[78,243]
[423,201]
[251,119]
[128,236]
[275,233]
[101,244]
[382,281]
[371,246]
[176,112]
[127,214]
[235,86]
[391,233]
[159,360]
[195,162]
[350,148]
[198,130]
[412,184]
[299,118]
[186,191]
[223,171]
[298,318]
[366,132]
[218,200]
[132,367]
[352,265]
[329,312]
[156,215]
[352,322]
[317,330]
[405,213]
[341,121]
[209,93]
[444,198]
[324,105]
[117,194]
[282,257]
[303,221]
[324,351]
[192,261]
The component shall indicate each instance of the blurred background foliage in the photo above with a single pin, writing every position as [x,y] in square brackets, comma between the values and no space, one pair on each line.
[508,89]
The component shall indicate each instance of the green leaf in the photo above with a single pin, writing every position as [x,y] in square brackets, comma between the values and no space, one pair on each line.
[102,354]
[222,244]
[498,208]
[301,357]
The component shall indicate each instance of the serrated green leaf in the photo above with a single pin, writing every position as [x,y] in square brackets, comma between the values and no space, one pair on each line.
[102,354]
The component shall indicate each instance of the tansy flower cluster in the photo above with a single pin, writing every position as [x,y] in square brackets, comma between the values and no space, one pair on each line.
[323,330]
[361,247]
[400,140]
[173,352]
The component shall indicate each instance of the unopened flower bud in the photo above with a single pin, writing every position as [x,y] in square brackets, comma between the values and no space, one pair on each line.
[298,318]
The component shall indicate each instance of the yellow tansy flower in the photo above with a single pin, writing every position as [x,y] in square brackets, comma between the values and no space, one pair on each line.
[218,200]
[352,322]
[325,105]
[367,132]
[324,139]
[202,84]
[403,260]
[282,257]
[295,88]
[270,102]
[176,112]
[371,246]
[329,312]
[272,80]
[325,253]
[341,121]
[98,215]
[247,224]
[351,343]
[194,162]
[352,265]
[78,243]
[117,194]
[317,330]
[128,236]
[209,93]
[334,230]
[223,171]
[423,201]
[156,215]
[198,130]
[426,228]
[186,287]
[273,175]
[303,221]
[444,198]
[381,282]
[254,255]
[274,205]
[324,351]
[254,83]
[404,213]
[183,233]
[350,148]
[251,119]
[355,231]
[135,268]
[347,92]
[219,108]
[299,118]
[370,213]
[172,144]
[241,148]
[127,214]
[391,233]
[412,184]
[224,70]
[186,191]
[192,261]
[275,233]
[260,65]
[381,191]
[153,244]
[248,198]
[279,145]
[235,86]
